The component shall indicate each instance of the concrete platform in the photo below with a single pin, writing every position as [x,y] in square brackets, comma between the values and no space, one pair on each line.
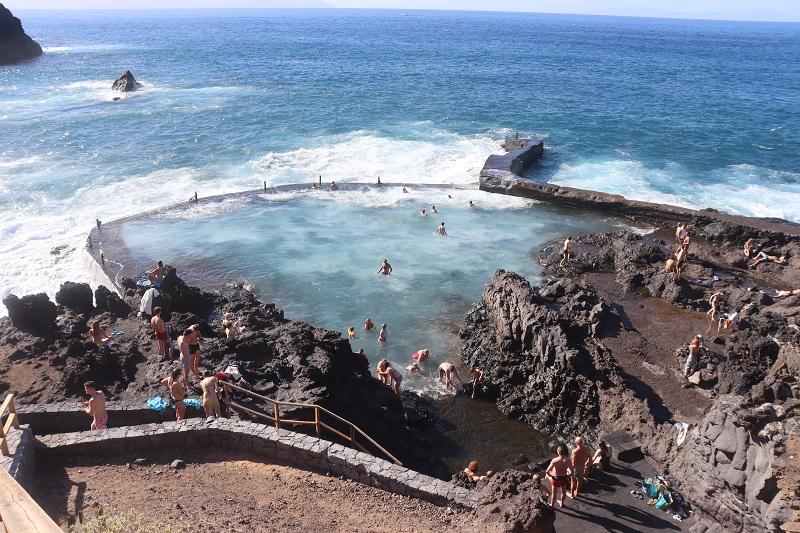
[606,504]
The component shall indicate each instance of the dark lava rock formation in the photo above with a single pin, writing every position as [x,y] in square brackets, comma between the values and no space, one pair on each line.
[15,45]
[550,350]
[46,359]
[125,82]
[512,502]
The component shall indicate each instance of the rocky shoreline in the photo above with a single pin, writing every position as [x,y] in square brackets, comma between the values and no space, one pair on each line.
[597,349]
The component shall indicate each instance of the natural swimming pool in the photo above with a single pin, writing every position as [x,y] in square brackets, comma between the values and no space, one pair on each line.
[316,255]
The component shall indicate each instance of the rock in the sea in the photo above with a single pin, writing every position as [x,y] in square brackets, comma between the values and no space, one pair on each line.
[125,82]
[75,296]
[15,45]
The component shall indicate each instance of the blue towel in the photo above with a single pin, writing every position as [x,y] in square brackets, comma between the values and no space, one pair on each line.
[192,402]
[157,404]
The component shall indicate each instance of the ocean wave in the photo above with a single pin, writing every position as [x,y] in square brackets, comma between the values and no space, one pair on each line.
[737,189]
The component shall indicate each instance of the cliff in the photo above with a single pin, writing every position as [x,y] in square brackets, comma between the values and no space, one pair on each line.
[15,45]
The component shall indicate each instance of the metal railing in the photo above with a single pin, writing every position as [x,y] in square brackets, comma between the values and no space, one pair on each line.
[8,405]
[318,424]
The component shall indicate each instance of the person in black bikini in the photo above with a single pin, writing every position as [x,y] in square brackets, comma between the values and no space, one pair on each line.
[194,349]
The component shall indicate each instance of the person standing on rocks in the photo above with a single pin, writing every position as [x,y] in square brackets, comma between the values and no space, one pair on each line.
[194,348]
[96,406]
[390,375]
[177,392]
[210,389]
[558,471]
[477,379]
[567,252]
[680,234]
[581,459]
[714,302]
[695,348]
[160,331]
[185,358]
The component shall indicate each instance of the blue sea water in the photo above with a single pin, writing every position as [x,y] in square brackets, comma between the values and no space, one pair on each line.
[697,113]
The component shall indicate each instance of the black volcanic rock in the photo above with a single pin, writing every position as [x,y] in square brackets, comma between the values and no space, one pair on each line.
[76,296]
[15,45]
[125,82]
[33,312]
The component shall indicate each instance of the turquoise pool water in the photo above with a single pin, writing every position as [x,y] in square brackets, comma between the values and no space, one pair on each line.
[316,255]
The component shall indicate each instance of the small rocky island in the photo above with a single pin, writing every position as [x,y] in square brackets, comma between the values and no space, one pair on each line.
[15,45]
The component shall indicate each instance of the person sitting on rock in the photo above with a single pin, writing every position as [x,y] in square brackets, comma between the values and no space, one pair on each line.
[157,274]
[672,265]
[751,249]
[763,258]
[601,458]
[230,326]
[473,471]
[98,335]
[538,481]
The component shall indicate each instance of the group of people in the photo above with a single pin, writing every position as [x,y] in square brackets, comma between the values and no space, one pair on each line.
[573,470]
[681,255]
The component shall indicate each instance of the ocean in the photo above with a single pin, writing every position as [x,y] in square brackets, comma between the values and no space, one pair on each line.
[694,113]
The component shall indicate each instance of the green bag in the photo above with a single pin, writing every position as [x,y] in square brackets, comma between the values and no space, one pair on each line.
[664,500]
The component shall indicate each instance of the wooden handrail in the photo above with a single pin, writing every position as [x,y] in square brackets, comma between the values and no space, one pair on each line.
[8,405]
[318,411]
[19,512]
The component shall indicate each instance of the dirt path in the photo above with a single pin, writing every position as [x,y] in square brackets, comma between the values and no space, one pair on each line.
[232,491]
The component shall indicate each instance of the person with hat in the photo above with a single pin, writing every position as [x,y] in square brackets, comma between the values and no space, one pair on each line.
[382,334]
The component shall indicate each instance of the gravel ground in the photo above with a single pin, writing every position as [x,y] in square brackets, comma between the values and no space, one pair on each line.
[232,491]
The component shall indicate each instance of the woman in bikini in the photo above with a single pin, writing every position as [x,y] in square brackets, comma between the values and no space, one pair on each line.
[193,341]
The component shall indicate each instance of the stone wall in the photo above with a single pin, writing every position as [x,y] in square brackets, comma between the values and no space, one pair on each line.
[513,163]
[21,461]
[295,449]
[67,417]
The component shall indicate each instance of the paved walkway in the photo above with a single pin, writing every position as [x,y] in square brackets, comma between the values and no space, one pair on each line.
[606,504]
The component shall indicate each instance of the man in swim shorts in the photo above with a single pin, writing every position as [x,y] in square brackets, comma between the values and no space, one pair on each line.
[441,231]
[385,268]
[96,406]
[559,473]
[581,457]
[177,392]
[160,331]
[445,369]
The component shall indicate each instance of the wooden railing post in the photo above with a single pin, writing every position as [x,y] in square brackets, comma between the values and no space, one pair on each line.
[352,437]
[8,405]
[227,398]
[316,421]
[277,415]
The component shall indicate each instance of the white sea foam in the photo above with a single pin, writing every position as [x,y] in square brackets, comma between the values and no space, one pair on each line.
[739,189]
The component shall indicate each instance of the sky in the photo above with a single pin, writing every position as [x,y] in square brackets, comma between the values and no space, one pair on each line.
[779,10]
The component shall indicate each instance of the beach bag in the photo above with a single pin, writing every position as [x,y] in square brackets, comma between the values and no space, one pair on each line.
[664,500]
[650,488]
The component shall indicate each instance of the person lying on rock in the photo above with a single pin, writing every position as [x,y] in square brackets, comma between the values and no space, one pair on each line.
[751,249]
[763,258]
